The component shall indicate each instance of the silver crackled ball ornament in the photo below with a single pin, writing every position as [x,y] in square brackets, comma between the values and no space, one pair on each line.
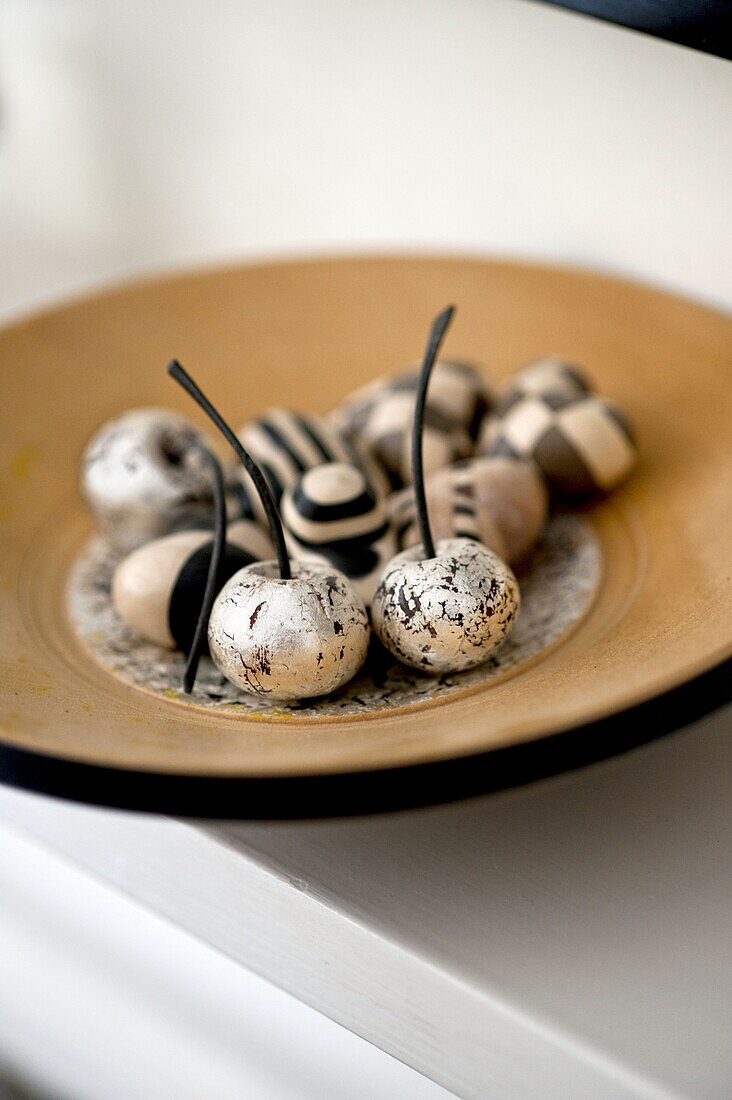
[282,630]
[143,478]
[448,612]
[291,638]
[446,607]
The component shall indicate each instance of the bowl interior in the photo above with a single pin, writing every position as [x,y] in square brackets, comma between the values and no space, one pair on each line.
[305,334]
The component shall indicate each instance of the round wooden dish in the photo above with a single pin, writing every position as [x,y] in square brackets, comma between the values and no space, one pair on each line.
[304,334]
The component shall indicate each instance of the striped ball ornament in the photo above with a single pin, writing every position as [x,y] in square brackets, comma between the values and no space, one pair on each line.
[581,445]
[501,502]
[453,514]
[332,514]
[286,445]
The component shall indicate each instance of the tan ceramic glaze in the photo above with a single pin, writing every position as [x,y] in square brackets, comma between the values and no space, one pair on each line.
[314,331]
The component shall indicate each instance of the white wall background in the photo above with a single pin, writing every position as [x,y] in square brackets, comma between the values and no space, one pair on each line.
[150,134]
[139,136]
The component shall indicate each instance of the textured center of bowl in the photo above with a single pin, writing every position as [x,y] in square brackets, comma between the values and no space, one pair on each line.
[558,587]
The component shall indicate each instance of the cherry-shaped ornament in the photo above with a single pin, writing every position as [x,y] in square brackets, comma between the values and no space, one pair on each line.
[281,630]
[447,607]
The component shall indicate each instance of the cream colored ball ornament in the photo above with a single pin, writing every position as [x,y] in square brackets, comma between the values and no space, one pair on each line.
[158,589]
[551,374]
[377,418]
[582,446]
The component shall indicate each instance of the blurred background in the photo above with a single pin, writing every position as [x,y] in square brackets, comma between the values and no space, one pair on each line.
[148,136]
[155,134]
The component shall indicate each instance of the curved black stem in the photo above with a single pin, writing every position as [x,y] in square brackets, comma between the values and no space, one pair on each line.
[217,553]
[183,378]
[437,334]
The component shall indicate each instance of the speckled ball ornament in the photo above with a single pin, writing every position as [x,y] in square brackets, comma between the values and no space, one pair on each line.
[581,445]
[158,589]
[378,418]
[142,478]
[446,607]
[288,639]
[502,502]
[445,613]
[278,629]
[333,515]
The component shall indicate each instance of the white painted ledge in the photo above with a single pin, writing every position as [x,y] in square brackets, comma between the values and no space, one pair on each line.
[566,939]
[101,999]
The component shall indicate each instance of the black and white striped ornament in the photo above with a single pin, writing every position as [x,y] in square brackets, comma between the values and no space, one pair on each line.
[379,418]
[286,445]
[157,590]
[332,514]
[581,445]
[453,514]
[501,502]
